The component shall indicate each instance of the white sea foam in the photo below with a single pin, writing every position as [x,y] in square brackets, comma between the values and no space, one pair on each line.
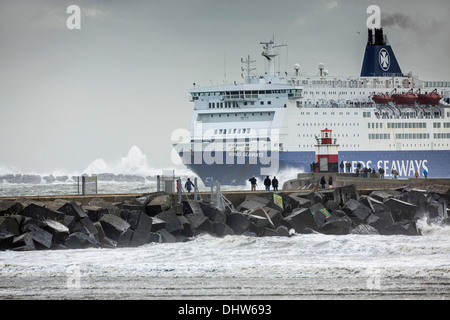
[237,266]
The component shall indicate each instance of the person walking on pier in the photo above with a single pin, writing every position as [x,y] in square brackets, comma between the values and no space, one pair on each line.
[381,171]
[275,183]
[267,183]
[323,182]
[253,182]
[189,185]
[348,165]
[330,182]
[425,173]
[342,166]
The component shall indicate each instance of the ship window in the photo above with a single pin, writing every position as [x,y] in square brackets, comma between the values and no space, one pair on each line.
[262,102]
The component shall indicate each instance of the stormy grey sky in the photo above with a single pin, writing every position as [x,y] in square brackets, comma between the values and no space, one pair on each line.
[68,97]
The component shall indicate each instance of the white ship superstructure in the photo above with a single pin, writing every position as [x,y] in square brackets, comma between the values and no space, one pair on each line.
[269,123]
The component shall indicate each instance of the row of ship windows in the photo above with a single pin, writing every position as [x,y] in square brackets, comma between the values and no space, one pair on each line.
[331,92]
[420,145]
[240,114]
[421,136]
[378,136]
[246,93]
[412,136]
[232,104]
[344,135]
[343,145]
[401,136]
[332,113]
[434,84]
[407,125]
[331,124]
[232,131]
[391,146]
[442,135]
[221,105]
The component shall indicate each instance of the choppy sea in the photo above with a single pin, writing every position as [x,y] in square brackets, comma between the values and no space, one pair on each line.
[310,266]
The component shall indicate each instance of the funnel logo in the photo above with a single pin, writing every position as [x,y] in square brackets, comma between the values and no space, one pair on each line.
[384,59]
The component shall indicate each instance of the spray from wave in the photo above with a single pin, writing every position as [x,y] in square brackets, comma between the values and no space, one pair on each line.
[133,167]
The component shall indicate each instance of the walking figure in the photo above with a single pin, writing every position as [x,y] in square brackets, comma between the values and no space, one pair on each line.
[253,182]
[267,183]
[189,185]
[323,182]
[275,183]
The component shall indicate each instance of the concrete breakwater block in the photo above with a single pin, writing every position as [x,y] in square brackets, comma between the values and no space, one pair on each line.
[113,226]
[6,239]
[73,209]
[8,207]
[57,229]
[42,239]
[158,204]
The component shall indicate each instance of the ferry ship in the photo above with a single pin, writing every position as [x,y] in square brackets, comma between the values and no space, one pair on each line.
[269,123]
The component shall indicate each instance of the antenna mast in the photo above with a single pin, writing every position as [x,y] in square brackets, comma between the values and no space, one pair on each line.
[248,67]
[270,54]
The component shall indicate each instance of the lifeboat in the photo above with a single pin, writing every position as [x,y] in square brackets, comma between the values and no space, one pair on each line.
[431,99]
[381,98]
[405,98]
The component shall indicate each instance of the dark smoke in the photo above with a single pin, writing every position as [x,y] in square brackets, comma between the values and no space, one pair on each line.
[397,19]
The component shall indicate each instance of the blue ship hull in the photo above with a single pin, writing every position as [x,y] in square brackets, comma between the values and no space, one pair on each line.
[237,170]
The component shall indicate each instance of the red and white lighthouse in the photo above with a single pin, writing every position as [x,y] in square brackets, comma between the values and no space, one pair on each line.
[327,152]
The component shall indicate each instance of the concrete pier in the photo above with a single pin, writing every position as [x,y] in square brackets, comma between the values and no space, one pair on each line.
[309,180]
[304,181]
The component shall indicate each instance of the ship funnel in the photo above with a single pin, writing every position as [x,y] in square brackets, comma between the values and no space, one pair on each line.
[379,58]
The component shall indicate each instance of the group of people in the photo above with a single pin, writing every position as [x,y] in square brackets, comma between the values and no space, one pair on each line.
[323,182]
[267,183]
[345,167]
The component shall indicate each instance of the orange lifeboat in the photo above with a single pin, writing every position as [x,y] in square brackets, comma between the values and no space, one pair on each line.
[381,98]
[405,98]
[431,99]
